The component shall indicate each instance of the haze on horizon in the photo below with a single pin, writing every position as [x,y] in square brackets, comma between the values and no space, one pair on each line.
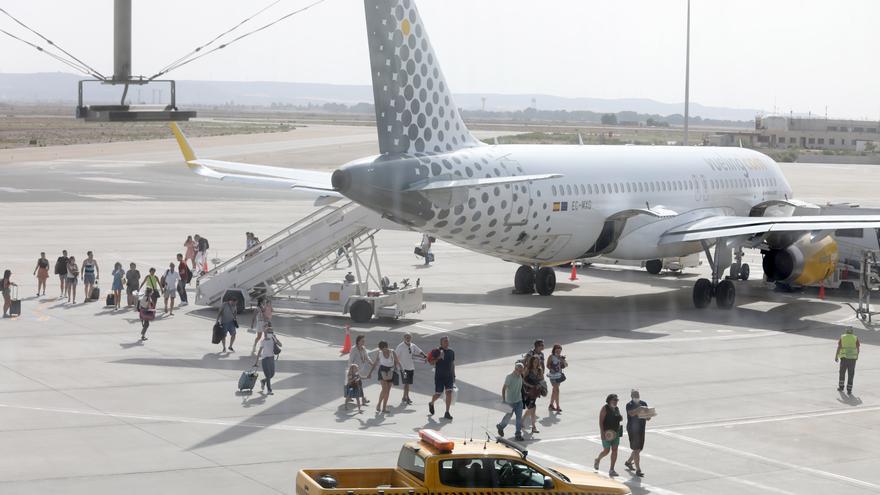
[785,55]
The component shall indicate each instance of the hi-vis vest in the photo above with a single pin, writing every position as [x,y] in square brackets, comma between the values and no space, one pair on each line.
[848,347]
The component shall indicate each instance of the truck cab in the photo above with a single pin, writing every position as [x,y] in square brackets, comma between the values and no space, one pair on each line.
[436,465]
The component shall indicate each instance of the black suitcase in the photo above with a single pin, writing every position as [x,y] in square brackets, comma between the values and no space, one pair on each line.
[217,334]
[247,380]
[96,293]
[111,300]
[15,309]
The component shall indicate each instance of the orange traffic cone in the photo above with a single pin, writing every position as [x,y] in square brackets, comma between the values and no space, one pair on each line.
[574,272]
[822,291]
[346,345]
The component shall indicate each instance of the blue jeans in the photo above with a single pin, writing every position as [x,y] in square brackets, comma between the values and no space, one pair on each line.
[515,409]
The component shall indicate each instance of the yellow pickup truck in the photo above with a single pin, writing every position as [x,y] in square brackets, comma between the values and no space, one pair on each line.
[435,465]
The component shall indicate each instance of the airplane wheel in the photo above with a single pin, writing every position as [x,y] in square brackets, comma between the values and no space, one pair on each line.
[702,293]
[545,281]
[725,294]
[524,281]
[744,272]
[654,267]
[361,311]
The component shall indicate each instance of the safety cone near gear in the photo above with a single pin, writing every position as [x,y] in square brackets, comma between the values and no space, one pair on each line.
[574,272]
[346,345]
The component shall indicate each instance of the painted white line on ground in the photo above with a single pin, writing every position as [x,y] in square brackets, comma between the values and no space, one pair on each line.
[788,465]
[117,197]
[12,190]
[768,419]
[430,328]
[112,180]
[624,450]
[613,341]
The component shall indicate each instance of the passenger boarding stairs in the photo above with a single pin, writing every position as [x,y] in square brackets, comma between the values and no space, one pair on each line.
[289,259]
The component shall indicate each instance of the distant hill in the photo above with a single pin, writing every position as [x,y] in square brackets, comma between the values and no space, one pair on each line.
[60,87]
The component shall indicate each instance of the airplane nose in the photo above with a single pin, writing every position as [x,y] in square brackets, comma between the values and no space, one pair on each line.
[341,180]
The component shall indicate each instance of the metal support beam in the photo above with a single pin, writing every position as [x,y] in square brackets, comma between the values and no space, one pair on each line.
[121,40]
[687,75]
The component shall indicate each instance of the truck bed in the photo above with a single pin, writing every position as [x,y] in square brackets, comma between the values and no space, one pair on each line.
[354,480]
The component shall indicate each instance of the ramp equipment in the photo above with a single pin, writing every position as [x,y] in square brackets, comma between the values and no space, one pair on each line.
[283,266]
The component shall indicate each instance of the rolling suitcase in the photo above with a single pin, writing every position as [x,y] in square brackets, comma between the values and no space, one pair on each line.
[217,334]
[96,293]
[15,309]
[247,380]
[111,300]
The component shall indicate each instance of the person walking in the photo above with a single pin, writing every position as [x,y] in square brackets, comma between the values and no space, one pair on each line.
[342,251]
[610,431]
[266,358]
[532,378]
[41,271]
[72,277]
[172,283]
[152,282]
[262,319]
[185,277]
[132,284]
[118,284]
[361,357]
[635,430]
[444,375]
[848,347]
[536,351]
[6,285]
[61,271]
[555,364]
[388,364]
[202,246]
[426,243]
[90,275]
[190,255]
[406,352]
[146,311]
[228,321]
[511,395]
[354,388]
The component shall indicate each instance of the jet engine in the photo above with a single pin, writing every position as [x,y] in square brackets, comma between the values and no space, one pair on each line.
[804,262]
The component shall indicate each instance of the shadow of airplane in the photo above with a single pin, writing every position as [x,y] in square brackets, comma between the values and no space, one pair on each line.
[564,320]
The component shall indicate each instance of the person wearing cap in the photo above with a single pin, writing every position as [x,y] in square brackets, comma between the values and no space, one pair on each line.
[848,347]
[405,351]
[610,432]
[511,395]
[635,430]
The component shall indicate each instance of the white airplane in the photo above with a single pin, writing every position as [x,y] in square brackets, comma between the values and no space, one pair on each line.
[544,205]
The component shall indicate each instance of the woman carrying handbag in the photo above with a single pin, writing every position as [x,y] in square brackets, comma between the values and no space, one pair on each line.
[388,366]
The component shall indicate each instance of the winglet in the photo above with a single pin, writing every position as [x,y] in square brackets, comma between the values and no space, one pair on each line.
[188,153]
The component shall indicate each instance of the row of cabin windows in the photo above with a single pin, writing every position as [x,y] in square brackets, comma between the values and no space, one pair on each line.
[658,186]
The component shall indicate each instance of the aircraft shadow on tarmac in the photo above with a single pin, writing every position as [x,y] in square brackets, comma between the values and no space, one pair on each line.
[565,320]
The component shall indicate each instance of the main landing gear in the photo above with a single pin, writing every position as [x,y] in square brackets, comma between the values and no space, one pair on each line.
[723,291]
[529,280]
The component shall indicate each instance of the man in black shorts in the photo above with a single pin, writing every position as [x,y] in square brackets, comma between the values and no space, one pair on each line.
[444,375]
[406,352]
[635,430]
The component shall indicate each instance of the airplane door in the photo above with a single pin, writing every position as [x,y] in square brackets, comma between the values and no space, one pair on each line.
[517,194]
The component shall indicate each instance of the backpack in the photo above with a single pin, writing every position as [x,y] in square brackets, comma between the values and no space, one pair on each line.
[433,356]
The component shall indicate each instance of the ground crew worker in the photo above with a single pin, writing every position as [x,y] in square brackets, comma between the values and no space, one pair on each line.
[847,353]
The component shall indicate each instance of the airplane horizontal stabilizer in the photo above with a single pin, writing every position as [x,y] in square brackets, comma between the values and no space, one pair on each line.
[731,226]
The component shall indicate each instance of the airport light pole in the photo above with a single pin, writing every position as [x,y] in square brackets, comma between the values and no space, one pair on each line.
[687,75]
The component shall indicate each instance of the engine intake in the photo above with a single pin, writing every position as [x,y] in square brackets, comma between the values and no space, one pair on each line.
[804,262]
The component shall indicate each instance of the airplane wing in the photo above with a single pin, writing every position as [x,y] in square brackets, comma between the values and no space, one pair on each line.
[730,226]
[310,181]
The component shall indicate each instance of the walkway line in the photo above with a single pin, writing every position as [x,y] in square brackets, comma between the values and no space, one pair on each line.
[788,465]
[217,422]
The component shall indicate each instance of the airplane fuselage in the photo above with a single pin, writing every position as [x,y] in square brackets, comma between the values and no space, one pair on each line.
[556,220]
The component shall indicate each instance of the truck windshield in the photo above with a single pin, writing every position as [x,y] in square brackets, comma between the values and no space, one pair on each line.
[411,462]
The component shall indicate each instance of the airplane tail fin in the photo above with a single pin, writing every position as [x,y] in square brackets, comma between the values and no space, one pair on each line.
[415,112]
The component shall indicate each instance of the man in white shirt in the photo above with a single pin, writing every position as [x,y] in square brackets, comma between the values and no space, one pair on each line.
[405,352]
[172,280]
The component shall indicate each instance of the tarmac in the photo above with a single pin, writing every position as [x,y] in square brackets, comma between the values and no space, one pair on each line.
[746,399]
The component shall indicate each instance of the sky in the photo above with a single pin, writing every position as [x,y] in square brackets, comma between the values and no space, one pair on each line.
[780,55]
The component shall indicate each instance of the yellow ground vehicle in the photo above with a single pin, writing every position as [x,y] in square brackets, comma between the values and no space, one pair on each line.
[435,465]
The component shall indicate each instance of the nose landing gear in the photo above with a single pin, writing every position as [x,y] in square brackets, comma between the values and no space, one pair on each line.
[529,280]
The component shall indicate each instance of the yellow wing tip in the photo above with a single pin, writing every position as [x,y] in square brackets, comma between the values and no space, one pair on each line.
[185,148]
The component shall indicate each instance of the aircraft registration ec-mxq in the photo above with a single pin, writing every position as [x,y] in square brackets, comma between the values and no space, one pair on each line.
[543,205]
